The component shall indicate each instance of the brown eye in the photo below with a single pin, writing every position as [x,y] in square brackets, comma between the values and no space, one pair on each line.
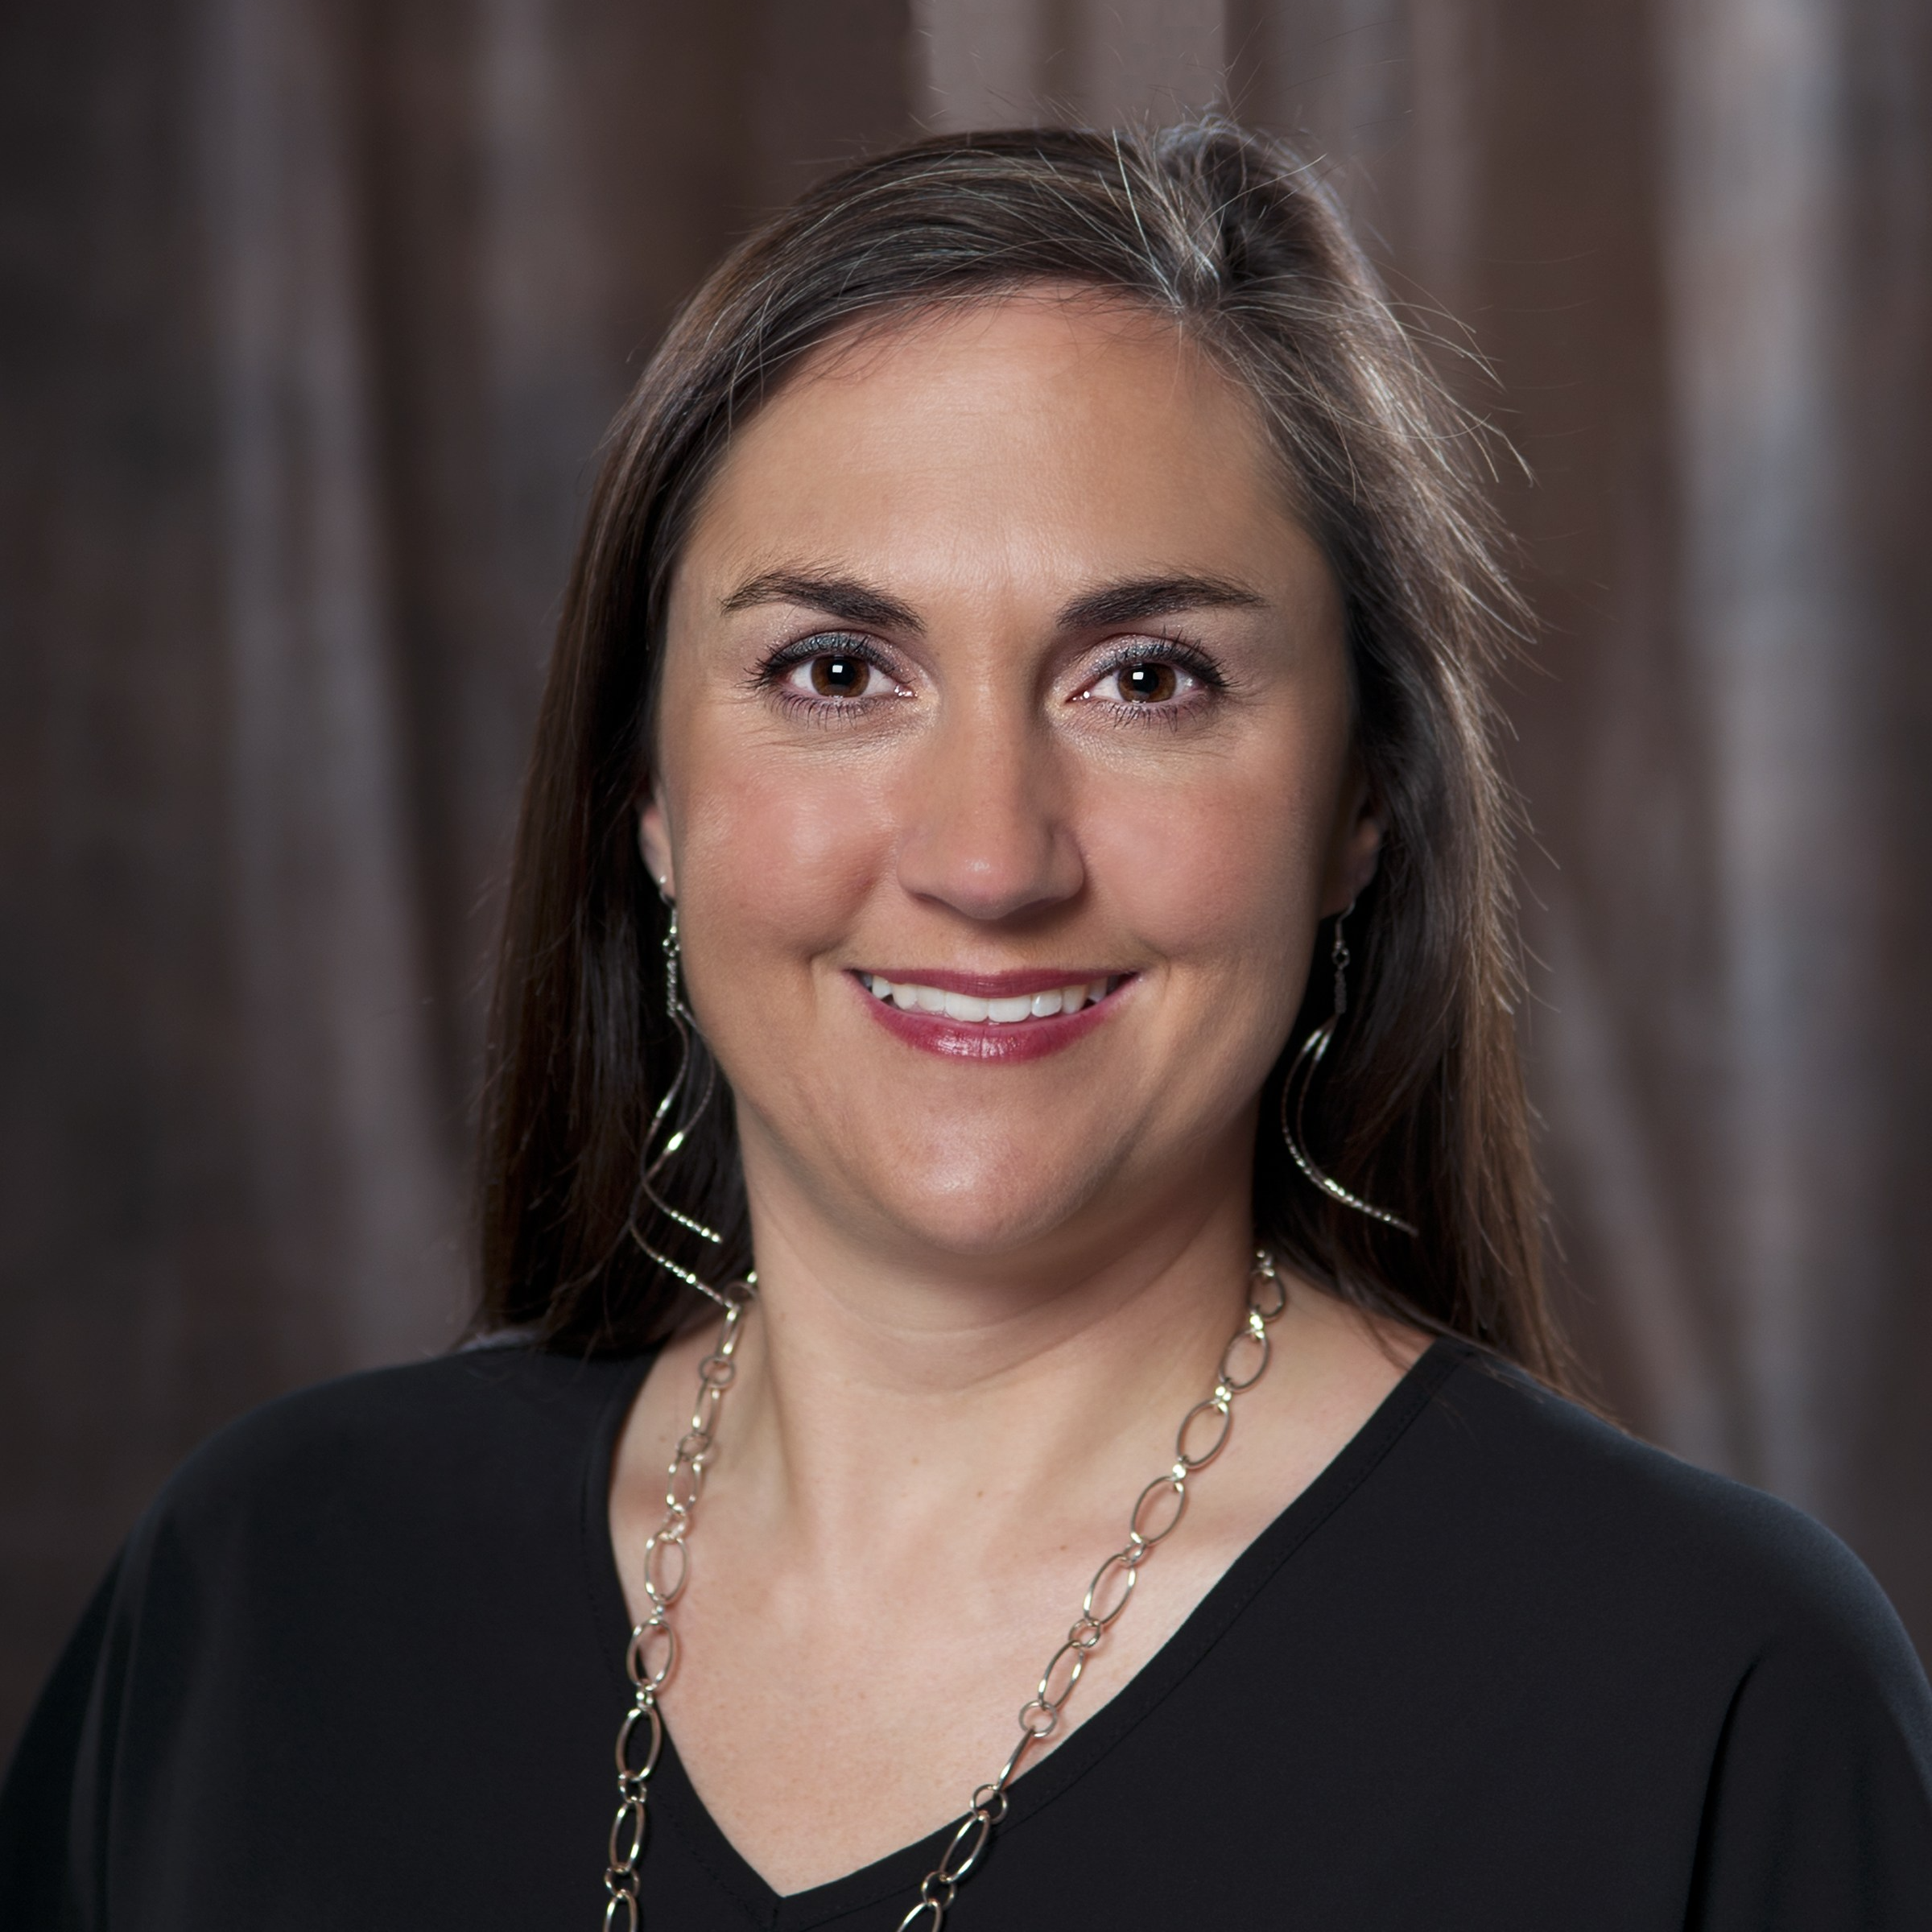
[1151,683]
[839,677]
[833,674]
[1154,683]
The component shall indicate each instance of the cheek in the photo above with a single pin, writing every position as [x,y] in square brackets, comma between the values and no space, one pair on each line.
[776,859]
[1220,877]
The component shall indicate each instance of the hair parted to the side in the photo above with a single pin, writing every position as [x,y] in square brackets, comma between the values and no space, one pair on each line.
[1420,1107]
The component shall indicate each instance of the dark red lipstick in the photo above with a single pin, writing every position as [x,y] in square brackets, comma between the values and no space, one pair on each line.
[991,1016]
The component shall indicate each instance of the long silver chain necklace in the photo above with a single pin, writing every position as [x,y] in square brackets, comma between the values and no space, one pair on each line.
[652,1652]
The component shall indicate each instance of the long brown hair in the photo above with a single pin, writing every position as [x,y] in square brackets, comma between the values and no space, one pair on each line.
[1420,1106]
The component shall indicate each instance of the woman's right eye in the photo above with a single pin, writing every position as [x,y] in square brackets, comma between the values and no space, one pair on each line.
[836,674]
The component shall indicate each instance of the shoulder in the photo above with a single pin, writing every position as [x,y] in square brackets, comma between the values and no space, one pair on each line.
[345,1566]
[450,1437]
[495,1402]
[1699,1558]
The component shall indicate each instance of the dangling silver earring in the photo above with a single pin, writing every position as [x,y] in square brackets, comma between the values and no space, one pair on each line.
[682,1122]
[1301,1076]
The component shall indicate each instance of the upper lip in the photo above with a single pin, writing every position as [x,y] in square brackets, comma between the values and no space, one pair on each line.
[993,986]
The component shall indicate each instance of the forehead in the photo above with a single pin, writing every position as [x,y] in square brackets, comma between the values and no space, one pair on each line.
[1047,431]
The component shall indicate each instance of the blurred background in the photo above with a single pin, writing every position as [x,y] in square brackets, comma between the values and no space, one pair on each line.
[311,312]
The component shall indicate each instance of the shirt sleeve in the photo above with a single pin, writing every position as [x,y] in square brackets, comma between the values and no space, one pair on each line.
[1818,1814]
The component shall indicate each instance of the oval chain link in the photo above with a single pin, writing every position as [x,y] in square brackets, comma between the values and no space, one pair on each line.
[653,1650]
[1156,1513]
[1155,1519]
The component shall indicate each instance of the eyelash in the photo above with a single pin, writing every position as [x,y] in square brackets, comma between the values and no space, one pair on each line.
[771,675]
[1183,657]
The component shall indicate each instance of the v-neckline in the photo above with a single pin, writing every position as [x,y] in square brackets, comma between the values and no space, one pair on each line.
[675,1799]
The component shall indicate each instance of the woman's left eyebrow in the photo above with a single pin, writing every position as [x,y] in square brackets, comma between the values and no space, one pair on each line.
[1137,598]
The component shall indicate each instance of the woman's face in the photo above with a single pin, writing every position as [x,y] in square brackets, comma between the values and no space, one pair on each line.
[999,676]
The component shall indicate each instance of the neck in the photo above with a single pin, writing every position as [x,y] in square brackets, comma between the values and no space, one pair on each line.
[949,1402]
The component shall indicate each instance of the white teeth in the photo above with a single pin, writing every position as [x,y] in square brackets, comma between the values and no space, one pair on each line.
[909,996]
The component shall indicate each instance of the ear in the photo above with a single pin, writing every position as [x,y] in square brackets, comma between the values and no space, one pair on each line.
[1355,849]
[653,841]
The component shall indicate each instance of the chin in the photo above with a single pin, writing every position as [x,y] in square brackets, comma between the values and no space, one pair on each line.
[977,1209]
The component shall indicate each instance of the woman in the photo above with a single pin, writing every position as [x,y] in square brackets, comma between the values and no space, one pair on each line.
[1013,850]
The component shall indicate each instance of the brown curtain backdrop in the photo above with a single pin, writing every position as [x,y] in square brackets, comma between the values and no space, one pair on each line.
[314,310]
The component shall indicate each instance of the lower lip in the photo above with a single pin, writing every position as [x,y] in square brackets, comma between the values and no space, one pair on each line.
[983,1039]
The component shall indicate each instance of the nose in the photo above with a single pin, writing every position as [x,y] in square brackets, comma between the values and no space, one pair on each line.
[986,832]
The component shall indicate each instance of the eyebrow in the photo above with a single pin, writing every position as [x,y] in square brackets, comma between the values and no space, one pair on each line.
[1141,597]
[1130,601]
[845,598]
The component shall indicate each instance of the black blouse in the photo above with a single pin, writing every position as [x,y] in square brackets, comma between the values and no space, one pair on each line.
[1500,1668]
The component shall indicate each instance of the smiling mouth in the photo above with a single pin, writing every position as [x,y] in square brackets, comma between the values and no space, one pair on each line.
[1008,1009]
